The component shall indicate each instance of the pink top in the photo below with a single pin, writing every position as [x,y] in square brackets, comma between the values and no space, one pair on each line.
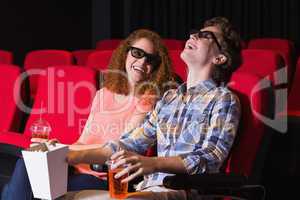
[111,114]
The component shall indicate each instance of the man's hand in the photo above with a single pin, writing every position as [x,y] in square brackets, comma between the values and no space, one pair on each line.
[137,165]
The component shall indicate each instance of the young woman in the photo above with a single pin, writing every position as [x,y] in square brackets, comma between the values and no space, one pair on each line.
[139,73]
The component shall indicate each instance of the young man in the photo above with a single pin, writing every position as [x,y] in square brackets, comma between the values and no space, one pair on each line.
[194,126]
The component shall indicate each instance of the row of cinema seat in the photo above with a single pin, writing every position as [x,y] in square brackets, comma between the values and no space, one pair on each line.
[283,46]
[271,60]
[99,60]
[64,111]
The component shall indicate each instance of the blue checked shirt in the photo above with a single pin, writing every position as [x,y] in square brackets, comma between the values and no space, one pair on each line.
[198,124]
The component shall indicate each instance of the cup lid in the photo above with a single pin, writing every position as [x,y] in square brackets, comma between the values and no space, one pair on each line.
[40,125]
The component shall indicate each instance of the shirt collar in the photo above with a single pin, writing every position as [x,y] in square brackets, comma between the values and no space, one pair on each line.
[201,88]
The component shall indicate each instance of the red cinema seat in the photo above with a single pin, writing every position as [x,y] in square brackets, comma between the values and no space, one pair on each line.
[263,63]
[6,57]
[99,59]
[40,59]
[108,44]
[10,98]
[284,47]
[173,44]
[82,55]
[245,152]
[66,94]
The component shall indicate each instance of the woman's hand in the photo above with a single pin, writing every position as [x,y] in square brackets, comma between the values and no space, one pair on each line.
[38,140]
[137,165]
[52,141]
[74,157]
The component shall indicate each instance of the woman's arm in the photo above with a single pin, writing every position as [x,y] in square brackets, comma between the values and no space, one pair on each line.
[89,156]
[79,146]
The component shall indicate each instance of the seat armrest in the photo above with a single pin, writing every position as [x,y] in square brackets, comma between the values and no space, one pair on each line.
[99,167]
[204,181]
[11,149]
[219,185]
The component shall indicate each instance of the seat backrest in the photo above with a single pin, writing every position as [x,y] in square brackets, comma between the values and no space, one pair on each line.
[282,46]
[251,132]
[6,57]
[99,59]
[82,55]
[179,66]
[261,62]
[173,44]
[66,93]
[108,44]
[271,43]
[294,95]
[10,97]
[40,59]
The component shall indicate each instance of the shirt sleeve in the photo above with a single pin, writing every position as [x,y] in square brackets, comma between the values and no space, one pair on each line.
[219,138]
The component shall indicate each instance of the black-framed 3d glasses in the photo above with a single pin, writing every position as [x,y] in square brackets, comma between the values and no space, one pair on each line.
[207,35]
[152,59]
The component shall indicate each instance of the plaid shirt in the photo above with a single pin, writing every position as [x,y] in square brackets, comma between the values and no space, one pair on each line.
[198,124]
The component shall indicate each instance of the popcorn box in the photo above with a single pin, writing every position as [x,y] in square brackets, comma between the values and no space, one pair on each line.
[47,170]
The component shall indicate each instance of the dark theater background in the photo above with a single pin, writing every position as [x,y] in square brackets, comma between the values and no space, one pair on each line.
[78,25]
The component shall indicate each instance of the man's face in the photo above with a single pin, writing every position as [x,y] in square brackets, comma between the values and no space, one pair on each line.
[202,48]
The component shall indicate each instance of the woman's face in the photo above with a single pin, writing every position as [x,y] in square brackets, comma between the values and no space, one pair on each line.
[138,67]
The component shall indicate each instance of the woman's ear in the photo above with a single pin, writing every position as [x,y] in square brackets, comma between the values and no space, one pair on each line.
[220,59]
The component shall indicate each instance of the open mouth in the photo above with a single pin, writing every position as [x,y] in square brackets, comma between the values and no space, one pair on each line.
[139,69]
[190,46]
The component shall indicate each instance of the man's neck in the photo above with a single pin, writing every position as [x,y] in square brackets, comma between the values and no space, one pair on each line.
[196,76]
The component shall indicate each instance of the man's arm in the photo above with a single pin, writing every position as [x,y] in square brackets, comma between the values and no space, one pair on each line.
[173,165]
[219,137]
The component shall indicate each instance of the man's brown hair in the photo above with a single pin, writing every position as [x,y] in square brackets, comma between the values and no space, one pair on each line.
[230,47]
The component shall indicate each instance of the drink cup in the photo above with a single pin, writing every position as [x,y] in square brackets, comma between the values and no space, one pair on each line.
[116,188]
[40,129]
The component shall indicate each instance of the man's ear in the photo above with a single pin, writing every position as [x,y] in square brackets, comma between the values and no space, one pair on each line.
[220,59]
